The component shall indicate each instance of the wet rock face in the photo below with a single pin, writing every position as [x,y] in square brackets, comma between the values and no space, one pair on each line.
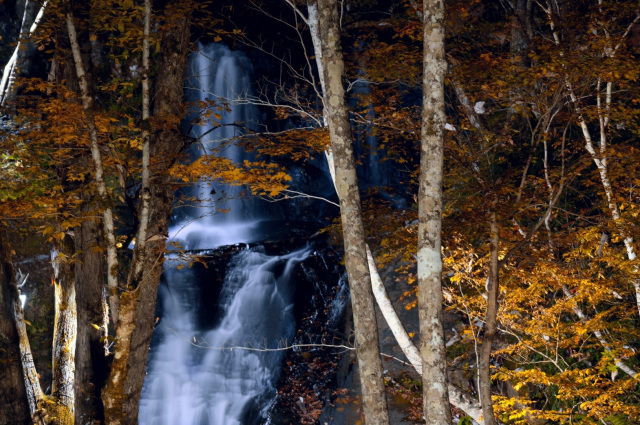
[308,380]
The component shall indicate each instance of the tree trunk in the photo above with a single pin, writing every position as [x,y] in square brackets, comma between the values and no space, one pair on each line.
[14,407]
[121,394]
[432,344]
[490,326]
[29,373]
[107,212]
[64,332]
[366,329]
[521,31]
[91,362]
[18,60]
[458,399]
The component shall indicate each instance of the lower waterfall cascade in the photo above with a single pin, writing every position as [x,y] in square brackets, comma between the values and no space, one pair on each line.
[206,365]
[214,376]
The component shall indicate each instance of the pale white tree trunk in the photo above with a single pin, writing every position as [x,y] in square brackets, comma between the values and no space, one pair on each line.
[9,75]
[107,214]
[65,329]
[362,301]
[136,270]
[456,397]
[31,381]
[312,22]
[432,344]
[409,349]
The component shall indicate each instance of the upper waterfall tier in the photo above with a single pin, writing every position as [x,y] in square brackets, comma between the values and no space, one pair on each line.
[219,214]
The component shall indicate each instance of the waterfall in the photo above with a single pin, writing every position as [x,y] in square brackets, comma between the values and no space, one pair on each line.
[206,363]
[196,377]
[218,78]
[375,169]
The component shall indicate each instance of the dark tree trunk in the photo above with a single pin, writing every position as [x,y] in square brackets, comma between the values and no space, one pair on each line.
[91,363]
[14,407]
[121,395]
[521,31]
[490,326]
[364,315]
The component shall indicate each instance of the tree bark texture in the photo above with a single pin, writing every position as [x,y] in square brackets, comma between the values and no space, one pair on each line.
[64,329]
[432,344]
[145,195]
[490,326]
[91,363]
[366,329]
[14,406]
[121,394]
[18,62]
[521,31]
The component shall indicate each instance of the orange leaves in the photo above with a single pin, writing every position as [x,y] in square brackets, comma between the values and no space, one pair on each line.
[295,144]
[261,177]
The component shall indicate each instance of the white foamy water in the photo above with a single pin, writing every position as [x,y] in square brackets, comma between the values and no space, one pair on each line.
[194,376]
[219,77]
[201,376]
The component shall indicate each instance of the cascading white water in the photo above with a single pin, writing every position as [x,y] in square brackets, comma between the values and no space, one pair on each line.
[196,377]
[219,77]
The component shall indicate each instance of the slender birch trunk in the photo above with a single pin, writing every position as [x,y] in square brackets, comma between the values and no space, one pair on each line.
[31,383]
[14,404]
[12,67]
[135,274]
[491,326]
[366,328]
[432,344]
[107,214]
